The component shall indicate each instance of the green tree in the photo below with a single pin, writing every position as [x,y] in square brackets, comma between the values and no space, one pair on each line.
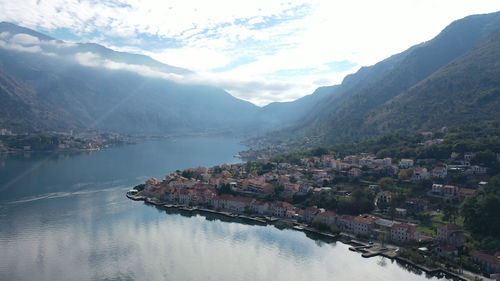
[450,212]
[224,189]
[486,157]
[319,224]
[334,229]
[405,174]
[482,212]
[386,183]
[319,151]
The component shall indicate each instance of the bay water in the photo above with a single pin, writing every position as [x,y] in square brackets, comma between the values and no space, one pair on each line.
[65,216]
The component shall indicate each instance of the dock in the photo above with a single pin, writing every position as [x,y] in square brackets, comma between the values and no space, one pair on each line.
[367,250]
[253,219]
[188,209]
[135,197]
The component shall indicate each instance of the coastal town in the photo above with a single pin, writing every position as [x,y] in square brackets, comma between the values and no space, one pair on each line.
[12,142]
[409,203]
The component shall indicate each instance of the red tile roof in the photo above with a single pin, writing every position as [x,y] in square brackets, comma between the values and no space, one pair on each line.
[312,209]
[492,260]
[467,191]
[283,204]
[362,220]
[328,214]
[450,227]
[409,228]
[230,197]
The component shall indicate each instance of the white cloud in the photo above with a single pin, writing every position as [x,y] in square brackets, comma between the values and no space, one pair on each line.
[199,59]
[22,42]
[24,39]
[58,43]
[20,48]
[90,59]
[128,17]
[258,91]
[262,91]
[256,20]
[254,41]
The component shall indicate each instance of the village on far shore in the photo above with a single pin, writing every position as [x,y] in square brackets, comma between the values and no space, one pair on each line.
[24,142]
[403,202]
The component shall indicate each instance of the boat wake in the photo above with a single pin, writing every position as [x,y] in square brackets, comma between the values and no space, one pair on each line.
[55,195]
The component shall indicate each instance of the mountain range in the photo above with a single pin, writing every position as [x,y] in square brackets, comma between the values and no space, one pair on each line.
[47,84]
[449,80]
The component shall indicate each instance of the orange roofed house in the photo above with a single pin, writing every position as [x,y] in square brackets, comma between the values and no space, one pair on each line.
[362,224]
[232,203]
[451,234]
[403,233]
[488,262]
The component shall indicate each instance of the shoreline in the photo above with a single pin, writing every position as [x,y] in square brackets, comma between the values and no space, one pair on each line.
[356,246]
[53,150]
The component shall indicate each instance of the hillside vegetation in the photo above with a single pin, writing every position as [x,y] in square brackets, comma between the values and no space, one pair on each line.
[446,81]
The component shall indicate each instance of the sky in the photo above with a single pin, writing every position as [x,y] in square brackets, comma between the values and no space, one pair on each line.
[261,51]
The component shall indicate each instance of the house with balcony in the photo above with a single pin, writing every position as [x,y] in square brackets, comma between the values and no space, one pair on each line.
[362,224]
[439,172]
[354,173]
[328,217]
[404,233]
[405,163]
[488,262]
[420,174]
[280,208]
[451,234]
[311,212]
[259,207]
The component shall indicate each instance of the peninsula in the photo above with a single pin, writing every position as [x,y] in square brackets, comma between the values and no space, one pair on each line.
[414,203]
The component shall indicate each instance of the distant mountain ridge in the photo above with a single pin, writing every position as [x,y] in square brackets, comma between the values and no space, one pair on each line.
[22,108]
[88,86]
[451,78]
[91,47]
[358,107]
[122,99]
[466,90]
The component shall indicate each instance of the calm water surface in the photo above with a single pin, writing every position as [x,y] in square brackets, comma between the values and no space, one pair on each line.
[66,217]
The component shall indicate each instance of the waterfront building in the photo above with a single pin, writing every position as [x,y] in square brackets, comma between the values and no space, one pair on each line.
[403,233]
[451,234]
[406,163]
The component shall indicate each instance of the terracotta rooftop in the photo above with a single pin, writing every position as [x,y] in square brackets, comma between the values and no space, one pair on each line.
[450,227]
[485,257]
[328,214]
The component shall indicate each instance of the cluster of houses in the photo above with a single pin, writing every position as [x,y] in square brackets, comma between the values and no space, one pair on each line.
[441,171]
[188,192]
[357,165]
[248,192]
[90,140]
[451,191]
[451,238]
[308,177]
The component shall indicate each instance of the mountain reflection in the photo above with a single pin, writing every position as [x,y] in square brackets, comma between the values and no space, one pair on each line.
[104,236]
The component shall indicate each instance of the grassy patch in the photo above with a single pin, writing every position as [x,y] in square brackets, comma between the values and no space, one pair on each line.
[438,220]
[426,229]
[435,222]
